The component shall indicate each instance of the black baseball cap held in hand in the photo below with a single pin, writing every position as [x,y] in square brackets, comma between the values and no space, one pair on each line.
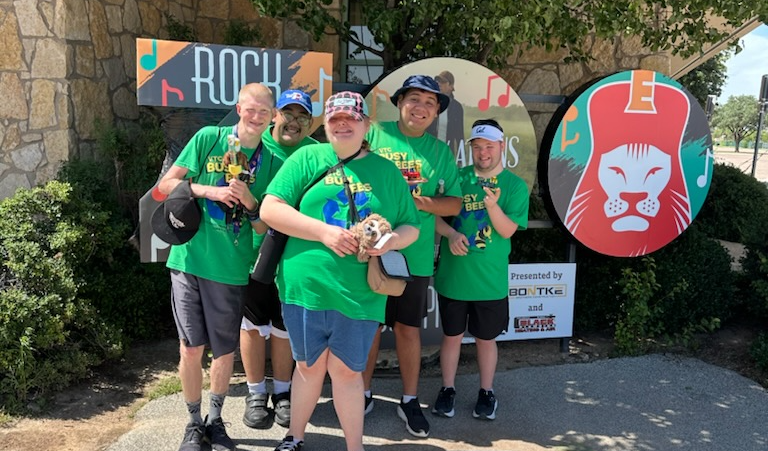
[177,219]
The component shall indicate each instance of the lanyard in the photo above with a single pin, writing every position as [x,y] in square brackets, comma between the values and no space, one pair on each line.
[353,215]
[254,164]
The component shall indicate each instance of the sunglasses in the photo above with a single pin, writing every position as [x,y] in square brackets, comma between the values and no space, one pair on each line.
[301,119]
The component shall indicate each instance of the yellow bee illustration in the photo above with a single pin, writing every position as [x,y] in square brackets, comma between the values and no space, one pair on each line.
[483,234]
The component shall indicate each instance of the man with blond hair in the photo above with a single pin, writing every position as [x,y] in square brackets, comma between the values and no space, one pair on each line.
[224,170]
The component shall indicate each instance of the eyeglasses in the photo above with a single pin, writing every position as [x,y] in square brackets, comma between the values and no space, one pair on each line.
[301,119]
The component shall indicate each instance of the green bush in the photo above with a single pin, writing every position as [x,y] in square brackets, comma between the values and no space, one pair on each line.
[178,31]
[240,33]
[693,288]
[73,289]
[753,283]
[132,296]
[736,208]
[49,333]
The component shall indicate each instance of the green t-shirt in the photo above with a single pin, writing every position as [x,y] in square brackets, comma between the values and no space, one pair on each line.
[482,274]
[310,274]
[215,252]
[283,152]
[280,152]
[425,158]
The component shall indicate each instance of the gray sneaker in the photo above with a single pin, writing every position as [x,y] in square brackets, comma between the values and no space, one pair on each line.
[256,414]
[193,437]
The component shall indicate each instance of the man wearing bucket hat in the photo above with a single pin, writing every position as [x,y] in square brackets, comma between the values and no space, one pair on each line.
[449,125]
[209,273]
[262,314]
[429,168]
[472,277]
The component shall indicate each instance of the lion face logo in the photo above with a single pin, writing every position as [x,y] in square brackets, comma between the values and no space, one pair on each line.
[632,198]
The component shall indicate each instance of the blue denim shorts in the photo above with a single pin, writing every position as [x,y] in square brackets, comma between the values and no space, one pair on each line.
[312,332]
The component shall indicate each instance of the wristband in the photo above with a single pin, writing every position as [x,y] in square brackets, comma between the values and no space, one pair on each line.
[253,215]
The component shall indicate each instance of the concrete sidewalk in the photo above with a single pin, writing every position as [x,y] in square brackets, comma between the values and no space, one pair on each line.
[650,403]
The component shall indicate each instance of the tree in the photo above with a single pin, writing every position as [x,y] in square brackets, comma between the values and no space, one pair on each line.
[488,31]
[708,78]
[738,117]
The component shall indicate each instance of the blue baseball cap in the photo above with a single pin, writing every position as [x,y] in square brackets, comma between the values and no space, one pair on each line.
[425,83]
[295,97]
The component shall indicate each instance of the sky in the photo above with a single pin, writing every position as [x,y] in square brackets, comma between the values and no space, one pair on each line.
[746,69]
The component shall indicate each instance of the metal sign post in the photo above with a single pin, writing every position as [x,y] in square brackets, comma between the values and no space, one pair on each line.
[761,104]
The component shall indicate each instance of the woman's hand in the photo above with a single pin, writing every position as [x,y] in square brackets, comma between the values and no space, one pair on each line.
[389,245]
[341,241]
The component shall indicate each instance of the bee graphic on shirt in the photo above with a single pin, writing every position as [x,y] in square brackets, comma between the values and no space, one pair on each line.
[483,235]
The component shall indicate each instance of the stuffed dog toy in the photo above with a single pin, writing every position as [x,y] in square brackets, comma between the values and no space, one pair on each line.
[368,232]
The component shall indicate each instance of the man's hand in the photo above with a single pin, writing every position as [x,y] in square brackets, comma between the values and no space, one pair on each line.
[458,244]
[241,194]
[491,197]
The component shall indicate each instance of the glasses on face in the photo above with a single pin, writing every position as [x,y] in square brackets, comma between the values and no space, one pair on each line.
[301,119]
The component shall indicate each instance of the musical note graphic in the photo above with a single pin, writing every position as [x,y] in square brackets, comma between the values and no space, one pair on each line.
[569,116]
[702,180]
[156,244]
[168,88]
[317,107]
[376,92]
[485,103]
[149,60]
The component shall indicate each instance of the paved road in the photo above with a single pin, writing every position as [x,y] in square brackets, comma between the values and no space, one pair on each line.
[743,161]
[650,403]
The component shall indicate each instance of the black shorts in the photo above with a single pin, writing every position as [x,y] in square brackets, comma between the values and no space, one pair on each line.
[410,308]
[262,305]
[486,319]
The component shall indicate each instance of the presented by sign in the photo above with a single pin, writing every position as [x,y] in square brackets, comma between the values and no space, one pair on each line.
[541,302]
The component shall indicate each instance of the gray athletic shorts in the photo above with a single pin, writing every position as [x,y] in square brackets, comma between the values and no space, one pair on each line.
[207,312]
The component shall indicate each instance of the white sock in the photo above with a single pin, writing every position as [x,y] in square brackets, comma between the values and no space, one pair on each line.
[408,398]
[281,386]
[367,393]
[259,388]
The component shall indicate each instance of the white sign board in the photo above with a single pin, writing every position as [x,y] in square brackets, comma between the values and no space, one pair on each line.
[540,301]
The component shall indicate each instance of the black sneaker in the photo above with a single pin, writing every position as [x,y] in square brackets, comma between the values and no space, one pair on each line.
[415,422]
[256,413]
[217,436]
[282,405]
[368,404]
[193,437]
[444,403]
[288,445]
[485,408]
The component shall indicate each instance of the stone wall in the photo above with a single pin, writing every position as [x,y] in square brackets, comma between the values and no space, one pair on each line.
[66,63]
[537,71]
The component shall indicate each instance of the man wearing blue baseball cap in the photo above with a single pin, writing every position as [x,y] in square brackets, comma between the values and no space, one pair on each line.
[262,313]
[429,168]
